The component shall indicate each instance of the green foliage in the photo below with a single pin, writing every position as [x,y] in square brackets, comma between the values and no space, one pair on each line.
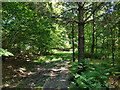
[98,55]
[27,27]
[30,25]
[87,55]
[4,52]
[24,27]
[90,75]
[48,59]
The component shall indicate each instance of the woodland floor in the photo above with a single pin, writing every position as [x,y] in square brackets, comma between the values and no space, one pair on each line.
[53,73]
[26,74]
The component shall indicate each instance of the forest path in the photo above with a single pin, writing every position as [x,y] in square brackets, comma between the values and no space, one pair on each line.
[59,76]
[47,77]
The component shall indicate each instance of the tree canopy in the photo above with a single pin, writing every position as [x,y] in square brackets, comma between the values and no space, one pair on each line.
[90,30]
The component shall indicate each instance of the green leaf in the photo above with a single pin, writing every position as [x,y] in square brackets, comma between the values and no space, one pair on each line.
[5,52]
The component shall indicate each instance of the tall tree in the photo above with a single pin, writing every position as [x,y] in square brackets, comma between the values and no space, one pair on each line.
[113,44]
[93,39]
[80,30]
[73,42]
[82,9]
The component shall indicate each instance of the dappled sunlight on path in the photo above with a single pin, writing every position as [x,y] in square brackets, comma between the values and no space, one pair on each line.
[53,73]
[59,78]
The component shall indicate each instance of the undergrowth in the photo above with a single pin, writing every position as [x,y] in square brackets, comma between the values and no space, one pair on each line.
[91,76]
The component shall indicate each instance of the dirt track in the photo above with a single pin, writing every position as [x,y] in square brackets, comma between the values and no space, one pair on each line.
[47,77]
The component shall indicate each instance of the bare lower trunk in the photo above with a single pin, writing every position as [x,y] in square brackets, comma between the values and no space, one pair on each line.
[103,45]
[93,40]
[96,43]
[73,42]
[119,44]
[107,42]
[113,44]
[80,33]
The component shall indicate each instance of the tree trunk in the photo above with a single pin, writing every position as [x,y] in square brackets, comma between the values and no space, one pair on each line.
[73,42]
[107,42]
[80,32]
[119,41]
[93,40]
[96,44]
[113,44]
[103,46]
[119,45]
[107,47]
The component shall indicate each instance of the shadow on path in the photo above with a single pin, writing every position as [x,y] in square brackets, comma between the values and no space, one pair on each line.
[48,77]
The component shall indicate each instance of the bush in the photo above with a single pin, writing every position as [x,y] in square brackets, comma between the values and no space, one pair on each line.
[98,55]
[89,76]
[87,55]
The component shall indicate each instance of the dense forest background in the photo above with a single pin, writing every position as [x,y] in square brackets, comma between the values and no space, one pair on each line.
[88,31]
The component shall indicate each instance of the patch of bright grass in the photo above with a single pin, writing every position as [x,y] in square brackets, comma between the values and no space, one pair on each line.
[63,53]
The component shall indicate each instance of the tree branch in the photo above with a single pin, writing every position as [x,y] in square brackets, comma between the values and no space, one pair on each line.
[83,4]
[72,20]
[89,5]
[94,19]
[61,17]
[93,11]
[70,9]
[68,22]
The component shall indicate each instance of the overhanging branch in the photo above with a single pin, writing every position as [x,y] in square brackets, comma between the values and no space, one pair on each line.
[93,11]
[68,22]
[83,4]
[94,19]
[61,17]
[65,18]
[70,9]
